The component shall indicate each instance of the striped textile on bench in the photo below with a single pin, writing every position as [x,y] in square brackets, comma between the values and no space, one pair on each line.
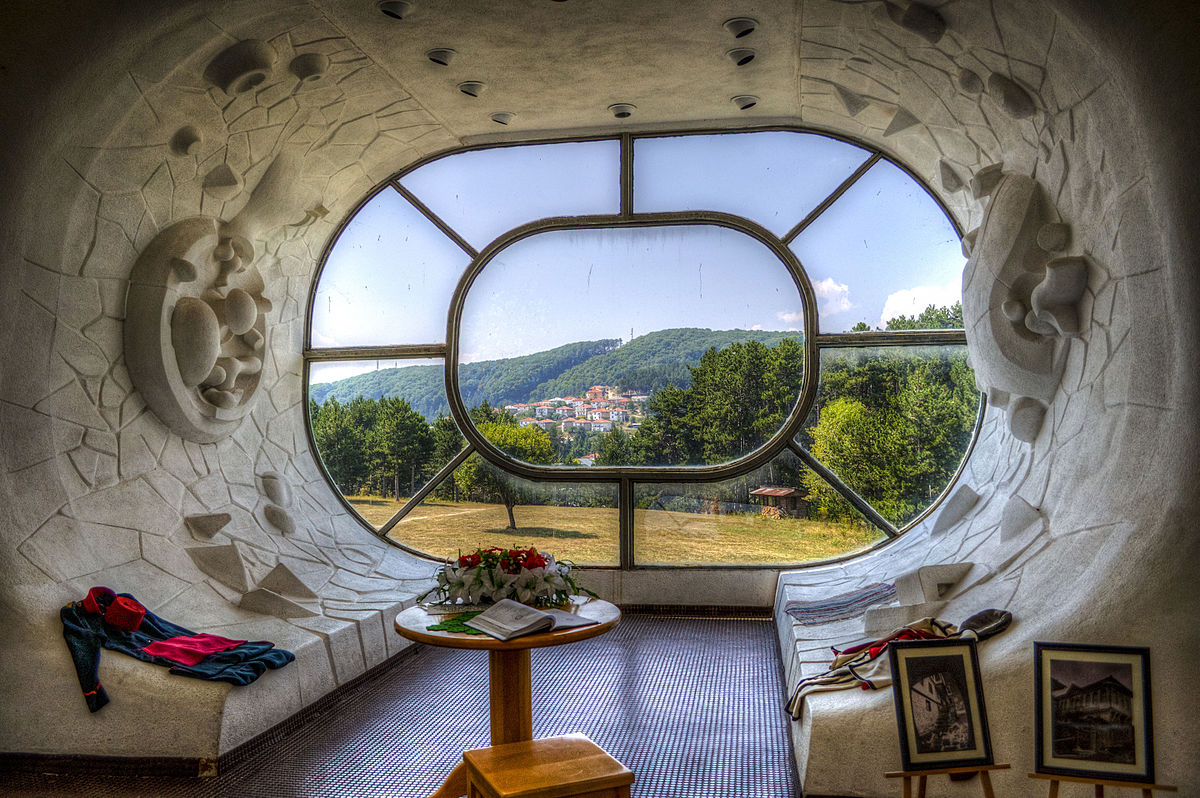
[841,606]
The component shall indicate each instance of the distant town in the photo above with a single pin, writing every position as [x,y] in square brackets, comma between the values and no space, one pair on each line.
[601,409]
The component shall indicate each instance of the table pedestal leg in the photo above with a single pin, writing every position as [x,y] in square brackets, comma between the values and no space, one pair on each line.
[456,785]
[511,696]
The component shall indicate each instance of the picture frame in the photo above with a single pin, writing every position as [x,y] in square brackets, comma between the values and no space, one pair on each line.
[940,711]
[1092,713]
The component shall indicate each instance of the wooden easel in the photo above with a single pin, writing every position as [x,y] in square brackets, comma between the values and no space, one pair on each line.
[1100,784]
[985,780]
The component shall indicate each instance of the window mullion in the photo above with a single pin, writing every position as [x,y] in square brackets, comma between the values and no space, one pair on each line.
[398,352]
[437,220]
[420,495]
[832,198]
[858,502]
[893,338]
[625,518]
[626,176]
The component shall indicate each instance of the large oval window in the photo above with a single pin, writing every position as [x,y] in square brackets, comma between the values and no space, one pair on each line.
[739,348]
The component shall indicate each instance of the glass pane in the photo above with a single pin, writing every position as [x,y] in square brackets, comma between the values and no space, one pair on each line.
[761,518]
[383,433]
[893,423]
[773,178]
[388,279]
[481,506]
[884,250]
[610,330]
[483,193]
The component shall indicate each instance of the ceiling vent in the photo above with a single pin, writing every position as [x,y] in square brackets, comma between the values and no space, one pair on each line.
[744,102]
[741,56]
[503,117]
[396,9]
[622,110]
[472,88]
[741,26]
[441,55]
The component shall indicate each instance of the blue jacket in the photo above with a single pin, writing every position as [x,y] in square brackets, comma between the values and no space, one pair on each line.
[86,632]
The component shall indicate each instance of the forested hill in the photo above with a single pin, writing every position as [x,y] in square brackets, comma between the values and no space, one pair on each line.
[645,364]
[649,362]
[500,382]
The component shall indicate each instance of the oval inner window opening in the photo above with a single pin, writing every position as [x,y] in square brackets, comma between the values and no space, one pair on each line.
[668,345]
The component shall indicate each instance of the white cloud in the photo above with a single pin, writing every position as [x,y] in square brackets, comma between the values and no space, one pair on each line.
[832,297]
[790,318]
[911,301]
[757,327]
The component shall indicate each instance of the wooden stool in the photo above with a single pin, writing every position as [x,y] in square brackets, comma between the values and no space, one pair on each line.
[985,781]
[571,766]
[1100,784]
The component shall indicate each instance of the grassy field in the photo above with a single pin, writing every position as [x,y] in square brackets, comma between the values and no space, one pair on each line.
[588,535]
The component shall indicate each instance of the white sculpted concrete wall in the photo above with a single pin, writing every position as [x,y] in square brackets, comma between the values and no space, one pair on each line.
[191,483]
[1075,493]
[153,421]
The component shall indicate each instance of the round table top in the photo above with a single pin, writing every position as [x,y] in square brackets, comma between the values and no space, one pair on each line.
[413,621]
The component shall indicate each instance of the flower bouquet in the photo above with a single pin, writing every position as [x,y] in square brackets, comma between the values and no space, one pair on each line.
[487,575]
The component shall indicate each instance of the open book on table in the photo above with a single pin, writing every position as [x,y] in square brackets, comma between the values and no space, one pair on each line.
[507,619]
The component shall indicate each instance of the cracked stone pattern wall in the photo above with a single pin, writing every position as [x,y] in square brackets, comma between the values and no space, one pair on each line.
[99,491]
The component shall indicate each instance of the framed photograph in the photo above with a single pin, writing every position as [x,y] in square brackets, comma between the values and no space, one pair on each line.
[939,704]
[1092,711]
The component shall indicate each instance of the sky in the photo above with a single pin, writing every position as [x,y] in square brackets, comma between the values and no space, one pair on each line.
[882,249]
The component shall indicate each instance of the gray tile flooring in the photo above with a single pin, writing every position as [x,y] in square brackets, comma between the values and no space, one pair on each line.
[693,705]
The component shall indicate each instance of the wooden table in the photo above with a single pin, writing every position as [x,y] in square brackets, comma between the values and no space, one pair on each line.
[509,677]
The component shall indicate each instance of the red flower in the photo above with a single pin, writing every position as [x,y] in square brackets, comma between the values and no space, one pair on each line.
[511,561]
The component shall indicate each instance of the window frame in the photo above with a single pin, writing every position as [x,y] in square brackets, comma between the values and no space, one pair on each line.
[625,477]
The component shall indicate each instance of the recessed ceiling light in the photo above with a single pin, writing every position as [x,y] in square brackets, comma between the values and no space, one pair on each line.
[503,117]
[441,55]
[472,88]
[741,26]
[622,110]
[741,56]
[396,9]
[744,102]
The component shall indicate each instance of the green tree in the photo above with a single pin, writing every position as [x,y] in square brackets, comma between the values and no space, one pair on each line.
[931,318]
[868,450]
[666,436]
[614,449]
[738,397]
[447,442]
[402,441]
[341,444]
[476,475]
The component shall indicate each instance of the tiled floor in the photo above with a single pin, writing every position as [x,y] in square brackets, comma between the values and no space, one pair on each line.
[694,706]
